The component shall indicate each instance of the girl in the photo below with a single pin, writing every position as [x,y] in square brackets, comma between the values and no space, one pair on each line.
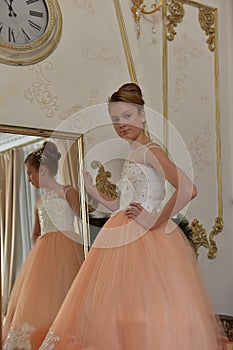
[54,261]
[139,287]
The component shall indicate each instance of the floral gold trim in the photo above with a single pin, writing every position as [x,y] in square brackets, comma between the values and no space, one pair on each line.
[176,16]
[206,20]
[199,237]
[102,180]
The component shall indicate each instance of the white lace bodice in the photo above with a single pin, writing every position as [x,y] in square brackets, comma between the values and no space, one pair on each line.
[142,184]
[55,214]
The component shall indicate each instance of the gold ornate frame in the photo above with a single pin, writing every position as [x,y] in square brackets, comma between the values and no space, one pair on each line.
[55,134]
[172,14]
[41,48]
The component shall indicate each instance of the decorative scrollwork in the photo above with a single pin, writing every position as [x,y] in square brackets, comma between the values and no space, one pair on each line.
[218,227]
[206,20]
[199,237]
[102,183]
[176,15]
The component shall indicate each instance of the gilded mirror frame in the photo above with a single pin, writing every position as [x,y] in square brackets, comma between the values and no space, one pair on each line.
[59,135]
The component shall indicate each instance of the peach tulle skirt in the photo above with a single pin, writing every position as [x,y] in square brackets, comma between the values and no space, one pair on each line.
[40,289]
[145,295]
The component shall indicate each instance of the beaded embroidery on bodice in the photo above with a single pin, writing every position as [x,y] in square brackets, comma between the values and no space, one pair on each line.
[142,184]
[55,214]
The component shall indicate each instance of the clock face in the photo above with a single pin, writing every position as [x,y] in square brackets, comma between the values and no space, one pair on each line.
[22,21]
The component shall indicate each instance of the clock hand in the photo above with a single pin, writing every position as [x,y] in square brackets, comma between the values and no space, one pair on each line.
[10,8]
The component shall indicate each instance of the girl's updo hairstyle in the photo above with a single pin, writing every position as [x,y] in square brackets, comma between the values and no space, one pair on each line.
[128,93]
[47,155]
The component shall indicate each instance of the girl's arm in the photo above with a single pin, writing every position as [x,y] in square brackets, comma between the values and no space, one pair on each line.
[36,227]
[184,192]
[72,198]
[107,201]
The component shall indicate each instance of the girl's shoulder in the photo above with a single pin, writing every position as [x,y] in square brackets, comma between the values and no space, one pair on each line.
[155,155]
[153,145]
[68,188]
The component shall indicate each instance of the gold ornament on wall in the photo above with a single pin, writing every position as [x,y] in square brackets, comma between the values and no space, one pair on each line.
[206,19]
[102,180]
[139,8]
[199,237]
[173,13]
[176,15]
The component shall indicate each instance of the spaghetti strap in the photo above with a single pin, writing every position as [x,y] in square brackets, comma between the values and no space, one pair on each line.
[146,150]
[66,189]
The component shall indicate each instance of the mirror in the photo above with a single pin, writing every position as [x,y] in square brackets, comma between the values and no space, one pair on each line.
[18,196]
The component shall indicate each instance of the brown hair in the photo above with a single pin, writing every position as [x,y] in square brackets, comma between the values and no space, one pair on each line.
[47,155]
[128,93]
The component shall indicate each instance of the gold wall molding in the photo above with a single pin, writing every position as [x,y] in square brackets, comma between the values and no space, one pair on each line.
[176,10]
[207,22]
[206,18]
[173,13]
[102,180]
[125,41]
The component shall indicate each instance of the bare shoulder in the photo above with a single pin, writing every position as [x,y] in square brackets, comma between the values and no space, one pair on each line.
[70,192]
[154,151]
[157,158]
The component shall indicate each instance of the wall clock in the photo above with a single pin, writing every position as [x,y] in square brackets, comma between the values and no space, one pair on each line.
[29,30]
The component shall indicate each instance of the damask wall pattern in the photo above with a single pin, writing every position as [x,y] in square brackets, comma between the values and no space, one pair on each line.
[88,63]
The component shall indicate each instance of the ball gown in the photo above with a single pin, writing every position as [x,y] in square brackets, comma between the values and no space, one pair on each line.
[137,289]
[45,276]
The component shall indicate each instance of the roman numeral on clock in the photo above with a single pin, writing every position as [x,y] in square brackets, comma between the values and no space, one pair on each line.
[36,13]
[11,36]
[27,37]
[28,2]
[34,25]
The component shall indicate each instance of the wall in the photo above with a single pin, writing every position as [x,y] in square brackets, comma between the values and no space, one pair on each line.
[88,64]
[191,109]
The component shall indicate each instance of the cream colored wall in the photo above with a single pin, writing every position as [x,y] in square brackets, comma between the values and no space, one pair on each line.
[191,110]
[90,63]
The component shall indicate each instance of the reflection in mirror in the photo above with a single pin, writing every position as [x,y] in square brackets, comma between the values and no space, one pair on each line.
[58,253]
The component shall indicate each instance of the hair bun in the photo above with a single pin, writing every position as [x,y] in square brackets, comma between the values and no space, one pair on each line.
[131,87]
[49,149]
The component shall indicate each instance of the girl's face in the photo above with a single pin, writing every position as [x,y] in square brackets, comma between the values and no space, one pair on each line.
[127,120]
[33,175]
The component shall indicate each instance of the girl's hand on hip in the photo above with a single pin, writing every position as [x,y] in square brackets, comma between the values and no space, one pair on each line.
[144,218]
